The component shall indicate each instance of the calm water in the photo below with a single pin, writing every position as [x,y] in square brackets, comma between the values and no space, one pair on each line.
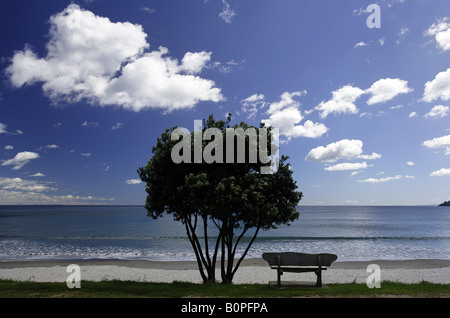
[125,232]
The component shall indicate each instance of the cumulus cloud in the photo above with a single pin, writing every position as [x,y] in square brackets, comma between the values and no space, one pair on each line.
[440,172]
[22,191]
[343,149]
[9,147]
[438,111]
[286,115]
[438,88]
[441,32]
[106,63]
[342,101]
[21,159]
[440,142]
[386,89]
[133,181]
[23,185]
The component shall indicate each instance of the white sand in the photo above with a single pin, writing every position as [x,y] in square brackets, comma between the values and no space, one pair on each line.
[251,272]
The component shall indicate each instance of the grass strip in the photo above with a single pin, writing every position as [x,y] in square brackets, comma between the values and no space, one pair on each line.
[132,289]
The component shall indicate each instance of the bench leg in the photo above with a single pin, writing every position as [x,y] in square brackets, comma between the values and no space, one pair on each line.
[279,273]
[319,278]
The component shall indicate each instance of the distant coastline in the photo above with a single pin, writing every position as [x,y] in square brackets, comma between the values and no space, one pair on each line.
[446,203]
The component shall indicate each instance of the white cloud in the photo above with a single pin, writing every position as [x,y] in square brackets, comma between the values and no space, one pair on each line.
[309,130]
[373,156]
[361,44]
[106,63]
[342,101]
[438,111]
[382,180]
[21,159]
[22,185]
[227,13]
[86,154]
[440,142]
[148,9]
[403,31]
[133,181]
[343,149]
[438,88]
[410,163]
[32,197]
[347,166]
[52,146]
[117,126]
[193,63]
[386,89]
[3,129]
[253,104]
[286,101]
[90,124]
[412,114]
[441,32]
[39,174]
[226,67]
[21,191]
[286,116]
[440,173]
[9,147]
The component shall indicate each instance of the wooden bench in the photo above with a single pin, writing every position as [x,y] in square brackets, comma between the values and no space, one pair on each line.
[299,263]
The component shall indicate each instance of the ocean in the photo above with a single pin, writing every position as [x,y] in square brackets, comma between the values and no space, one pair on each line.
[126,232]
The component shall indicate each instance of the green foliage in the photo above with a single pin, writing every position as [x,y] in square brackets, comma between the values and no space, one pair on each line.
[122,289]
[234,196]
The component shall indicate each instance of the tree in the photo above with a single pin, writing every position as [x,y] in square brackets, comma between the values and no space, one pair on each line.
[233,198]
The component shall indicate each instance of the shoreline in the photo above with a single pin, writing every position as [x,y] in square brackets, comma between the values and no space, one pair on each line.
[191,265]
[251,271]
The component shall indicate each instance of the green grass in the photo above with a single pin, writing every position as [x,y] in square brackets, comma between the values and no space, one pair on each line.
[129,289]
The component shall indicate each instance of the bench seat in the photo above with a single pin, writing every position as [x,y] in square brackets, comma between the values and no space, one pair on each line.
[299,263]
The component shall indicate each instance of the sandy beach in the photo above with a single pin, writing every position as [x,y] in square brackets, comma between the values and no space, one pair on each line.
[253,271]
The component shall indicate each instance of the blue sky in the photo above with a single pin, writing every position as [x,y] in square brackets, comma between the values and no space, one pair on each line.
[88,86]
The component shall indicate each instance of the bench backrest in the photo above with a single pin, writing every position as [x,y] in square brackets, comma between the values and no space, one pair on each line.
[299,259]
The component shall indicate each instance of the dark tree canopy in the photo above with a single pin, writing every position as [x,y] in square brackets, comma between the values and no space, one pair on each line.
[235,197]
